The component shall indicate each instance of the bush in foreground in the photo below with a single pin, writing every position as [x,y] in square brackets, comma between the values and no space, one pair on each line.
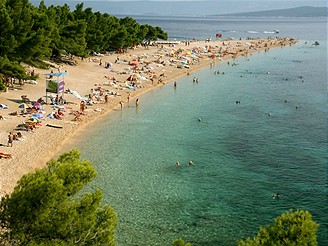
[180,242]
[291,228]
[45,210]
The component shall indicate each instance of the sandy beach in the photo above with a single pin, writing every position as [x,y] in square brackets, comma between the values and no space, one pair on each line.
[122,77]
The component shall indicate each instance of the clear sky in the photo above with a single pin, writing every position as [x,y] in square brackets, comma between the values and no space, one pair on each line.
[185,7]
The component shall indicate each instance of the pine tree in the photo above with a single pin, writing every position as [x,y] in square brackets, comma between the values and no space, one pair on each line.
[46,209]
[291,228]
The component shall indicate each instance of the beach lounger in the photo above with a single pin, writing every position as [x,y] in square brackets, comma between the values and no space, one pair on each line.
[3,106]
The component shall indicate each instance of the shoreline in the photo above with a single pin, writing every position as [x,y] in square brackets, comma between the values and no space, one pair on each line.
[46,142]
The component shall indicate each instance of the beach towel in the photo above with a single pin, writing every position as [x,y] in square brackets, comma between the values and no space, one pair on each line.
[77,95]
[129,86]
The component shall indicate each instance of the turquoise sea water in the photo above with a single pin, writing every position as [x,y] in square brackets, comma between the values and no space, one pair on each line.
[241,155]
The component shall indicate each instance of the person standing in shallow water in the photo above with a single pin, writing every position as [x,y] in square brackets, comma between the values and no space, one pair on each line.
[137,102]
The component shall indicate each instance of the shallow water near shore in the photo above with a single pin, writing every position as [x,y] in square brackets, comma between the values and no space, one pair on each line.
[242,153]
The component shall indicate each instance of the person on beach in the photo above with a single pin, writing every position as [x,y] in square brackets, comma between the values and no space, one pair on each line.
[77,117]
[82,106]
[10,139]
[128,98]
[57,99]
[121,104]
[5,156]
[56,116]
[106,99]
[175,84]
[137,102]
[41,101]
[15,138]
[60,113]
[20,135]
[51,72]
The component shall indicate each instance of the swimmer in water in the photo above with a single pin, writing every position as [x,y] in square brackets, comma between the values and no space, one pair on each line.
[276,195]
[190,163]
[177,163]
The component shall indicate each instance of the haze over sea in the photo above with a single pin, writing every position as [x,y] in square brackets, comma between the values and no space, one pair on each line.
[241,154]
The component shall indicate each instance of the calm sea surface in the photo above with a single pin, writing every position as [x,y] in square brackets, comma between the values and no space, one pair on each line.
[241,155]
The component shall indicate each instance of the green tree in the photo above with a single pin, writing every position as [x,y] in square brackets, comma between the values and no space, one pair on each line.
[12,69]
[154,33]
[120,39]
[21,14]
[2,86]
[294,228]
[111,27]
[73,37]
[44,208]
[7,39]
[132,28]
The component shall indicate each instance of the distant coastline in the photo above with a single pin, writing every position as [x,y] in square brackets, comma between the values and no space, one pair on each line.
[182,9]
[305,11]
[301,12]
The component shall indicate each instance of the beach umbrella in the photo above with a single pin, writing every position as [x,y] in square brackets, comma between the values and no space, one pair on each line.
[36,104]
[23,105]
[32,120]
[133,63]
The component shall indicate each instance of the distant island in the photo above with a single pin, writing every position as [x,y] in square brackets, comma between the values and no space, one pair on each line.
[305,11]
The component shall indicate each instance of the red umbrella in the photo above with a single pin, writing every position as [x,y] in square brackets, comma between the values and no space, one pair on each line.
[36,104]
[133,63]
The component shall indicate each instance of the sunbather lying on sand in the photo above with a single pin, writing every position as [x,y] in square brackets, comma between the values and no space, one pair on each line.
[5,156]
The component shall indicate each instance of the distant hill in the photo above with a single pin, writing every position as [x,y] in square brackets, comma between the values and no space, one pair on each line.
[305,11]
